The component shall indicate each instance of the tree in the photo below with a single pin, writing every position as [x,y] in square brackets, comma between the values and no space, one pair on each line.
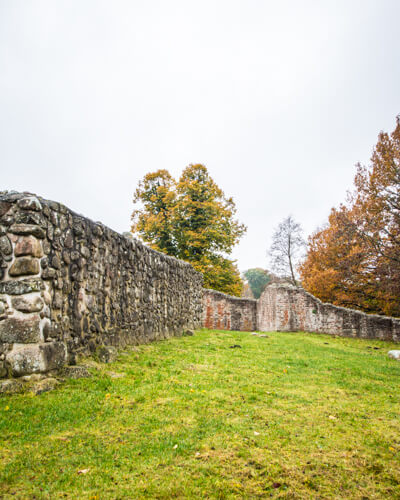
[219,273]
[287,243]
[258,279]
[335,268]
[246,291]
[359,250]
[192,220]
[156,193]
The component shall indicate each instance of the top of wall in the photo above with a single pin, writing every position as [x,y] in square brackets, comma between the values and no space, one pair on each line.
[225,296]
[291,288]
[7,198]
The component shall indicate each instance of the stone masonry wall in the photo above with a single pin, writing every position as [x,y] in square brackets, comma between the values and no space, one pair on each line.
[68,285]
[224,312]
[287,308]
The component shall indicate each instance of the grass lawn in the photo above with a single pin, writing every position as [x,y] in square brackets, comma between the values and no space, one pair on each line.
[294,415]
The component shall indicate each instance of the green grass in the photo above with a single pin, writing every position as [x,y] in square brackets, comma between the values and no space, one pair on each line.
[294,415]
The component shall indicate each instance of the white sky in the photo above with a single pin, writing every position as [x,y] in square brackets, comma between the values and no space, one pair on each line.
[279,99]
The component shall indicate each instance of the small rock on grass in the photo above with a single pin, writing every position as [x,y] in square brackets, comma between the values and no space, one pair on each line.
[115,375]
[106,353]
[75,372]
[264,336]
[188,333]
[11,386]
[35,385]
[34,377]
[394,354]
[46,385]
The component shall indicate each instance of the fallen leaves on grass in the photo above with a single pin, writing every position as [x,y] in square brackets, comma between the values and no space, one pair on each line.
[83,471]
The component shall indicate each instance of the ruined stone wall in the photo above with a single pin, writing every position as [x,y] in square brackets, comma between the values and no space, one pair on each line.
[68,285]
[224,312]
[287,308]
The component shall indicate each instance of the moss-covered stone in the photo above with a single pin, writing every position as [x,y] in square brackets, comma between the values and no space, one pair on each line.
[20,287]
[20,330]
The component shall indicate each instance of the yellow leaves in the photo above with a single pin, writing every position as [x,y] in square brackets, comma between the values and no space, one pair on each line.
[191,220]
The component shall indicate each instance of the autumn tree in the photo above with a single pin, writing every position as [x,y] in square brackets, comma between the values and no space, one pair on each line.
[258,279]
[355,260]
[336,262]
[157,196]
[286,248]
[246,291]
[192,220]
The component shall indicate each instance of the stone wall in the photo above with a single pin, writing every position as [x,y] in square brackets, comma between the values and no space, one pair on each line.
[224,312]
[68,285]
[287,308]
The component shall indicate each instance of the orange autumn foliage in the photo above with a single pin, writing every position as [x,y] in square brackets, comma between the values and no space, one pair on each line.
[355,260]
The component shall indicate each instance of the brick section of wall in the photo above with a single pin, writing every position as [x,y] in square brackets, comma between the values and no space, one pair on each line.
[68,285]
[224,312]
[287,308]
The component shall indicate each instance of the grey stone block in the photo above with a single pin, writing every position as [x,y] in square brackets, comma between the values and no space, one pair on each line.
[20,330]
[106,354]
[36,358]
[27,303]
[20,287]
[29,203]
[28,229]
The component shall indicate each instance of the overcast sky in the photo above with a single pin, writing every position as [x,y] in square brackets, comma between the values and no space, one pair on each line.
[279,99]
